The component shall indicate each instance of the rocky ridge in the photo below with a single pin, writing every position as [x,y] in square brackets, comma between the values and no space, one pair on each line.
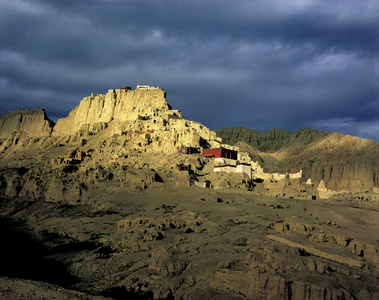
[98,110]
[345,163]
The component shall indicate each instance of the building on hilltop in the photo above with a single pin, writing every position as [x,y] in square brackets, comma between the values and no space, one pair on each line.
[144,86]
[126,88]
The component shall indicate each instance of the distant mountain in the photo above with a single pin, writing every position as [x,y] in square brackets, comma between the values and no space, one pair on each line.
[344,162]
[273,140]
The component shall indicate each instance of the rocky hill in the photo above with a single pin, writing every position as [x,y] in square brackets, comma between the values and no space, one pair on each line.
[344,162]
[99,110]
[108,205]
[30,122]
[130,136]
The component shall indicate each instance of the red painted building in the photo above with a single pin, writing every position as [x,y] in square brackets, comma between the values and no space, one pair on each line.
[221,152]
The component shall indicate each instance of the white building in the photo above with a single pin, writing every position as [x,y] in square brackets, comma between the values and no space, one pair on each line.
[244,168]
[225,168]
[144,86]
[244,164]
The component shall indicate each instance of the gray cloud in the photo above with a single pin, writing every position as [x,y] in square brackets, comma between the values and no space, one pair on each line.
[258,64]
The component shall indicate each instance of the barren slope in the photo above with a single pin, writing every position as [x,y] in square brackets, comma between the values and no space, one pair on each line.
[344,162]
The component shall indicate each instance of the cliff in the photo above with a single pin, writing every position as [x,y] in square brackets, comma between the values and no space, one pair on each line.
[31,122]
[141,118]
[119,105]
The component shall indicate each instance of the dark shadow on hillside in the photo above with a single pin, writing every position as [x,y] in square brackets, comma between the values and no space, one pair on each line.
[23,257]
[120,293]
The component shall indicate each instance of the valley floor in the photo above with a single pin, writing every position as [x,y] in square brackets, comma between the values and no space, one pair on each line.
[189,243]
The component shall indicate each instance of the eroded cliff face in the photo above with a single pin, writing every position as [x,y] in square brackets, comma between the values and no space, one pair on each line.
[30,122]
[142,118]
[118,105]
[345,163]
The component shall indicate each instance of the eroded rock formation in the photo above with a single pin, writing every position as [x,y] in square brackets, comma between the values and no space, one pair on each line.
[31,122]
[142,117]
[98,110]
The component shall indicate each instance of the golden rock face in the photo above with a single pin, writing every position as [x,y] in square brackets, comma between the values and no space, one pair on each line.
[118,105]
[31,122]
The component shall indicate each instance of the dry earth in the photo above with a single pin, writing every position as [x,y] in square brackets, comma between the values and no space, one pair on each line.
[190,243]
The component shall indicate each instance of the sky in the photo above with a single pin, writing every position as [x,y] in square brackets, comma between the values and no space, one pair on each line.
[259,64]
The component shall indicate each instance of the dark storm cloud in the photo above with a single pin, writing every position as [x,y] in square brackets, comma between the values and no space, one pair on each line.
[258,64]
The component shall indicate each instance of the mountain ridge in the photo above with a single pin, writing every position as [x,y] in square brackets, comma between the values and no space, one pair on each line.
[345,162]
